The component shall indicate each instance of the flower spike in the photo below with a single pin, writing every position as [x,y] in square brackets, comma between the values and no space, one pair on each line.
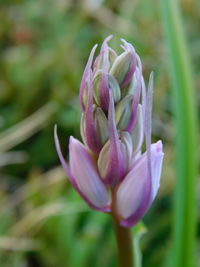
[110,171]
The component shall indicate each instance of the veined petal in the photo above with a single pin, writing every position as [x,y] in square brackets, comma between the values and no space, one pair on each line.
[100,59]
[98,198]
[83,168]
[137,191]
[105,160]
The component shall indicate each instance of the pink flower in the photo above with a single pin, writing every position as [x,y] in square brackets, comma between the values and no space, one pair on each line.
[109,170]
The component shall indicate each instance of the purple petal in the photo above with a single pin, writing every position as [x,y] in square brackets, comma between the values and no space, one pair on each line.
[94,199]
[85,76]
[104,47]
[116,166]
[136,192]
[91,136]
[136,100]
[84,169]
[104,91]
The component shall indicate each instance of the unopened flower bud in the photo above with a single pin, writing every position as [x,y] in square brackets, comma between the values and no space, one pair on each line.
[103,160]
[123,68]
[101,94]
[126,147]
[126,150]
[99,60]
[120,66]
[123,112]
[101,126]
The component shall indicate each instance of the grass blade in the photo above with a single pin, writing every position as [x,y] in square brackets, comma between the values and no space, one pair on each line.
[184,224]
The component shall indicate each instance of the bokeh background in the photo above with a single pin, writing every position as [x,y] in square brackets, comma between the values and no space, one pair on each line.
[44,45]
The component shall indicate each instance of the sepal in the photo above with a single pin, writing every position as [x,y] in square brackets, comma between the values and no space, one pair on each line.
[139,188]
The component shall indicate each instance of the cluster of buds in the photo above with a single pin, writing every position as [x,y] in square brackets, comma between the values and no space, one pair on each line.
[111,170]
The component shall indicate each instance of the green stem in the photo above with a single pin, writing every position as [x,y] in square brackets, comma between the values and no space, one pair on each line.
[124,245]
[185,211]
[123,238]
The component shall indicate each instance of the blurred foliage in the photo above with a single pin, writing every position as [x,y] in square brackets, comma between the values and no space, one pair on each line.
[44,45]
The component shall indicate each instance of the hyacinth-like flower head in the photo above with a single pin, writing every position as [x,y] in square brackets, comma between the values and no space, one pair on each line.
[112,170]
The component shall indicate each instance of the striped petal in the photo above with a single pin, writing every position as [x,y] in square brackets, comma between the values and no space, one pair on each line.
[137,191]
[83,175]
[116,164]
[83,168]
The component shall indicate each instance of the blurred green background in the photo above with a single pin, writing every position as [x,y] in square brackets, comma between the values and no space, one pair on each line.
[44,45]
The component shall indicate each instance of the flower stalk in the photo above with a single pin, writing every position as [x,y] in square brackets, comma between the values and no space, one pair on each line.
[124,245]
[123,238]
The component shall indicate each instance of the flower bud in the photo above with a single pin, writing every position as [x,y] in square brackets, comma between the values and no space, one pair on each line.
[126,150]
[100,123]
[126,147]
[123,112]
[102,83]
[103,160]
[99,60]
[121,66]
[124,65]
